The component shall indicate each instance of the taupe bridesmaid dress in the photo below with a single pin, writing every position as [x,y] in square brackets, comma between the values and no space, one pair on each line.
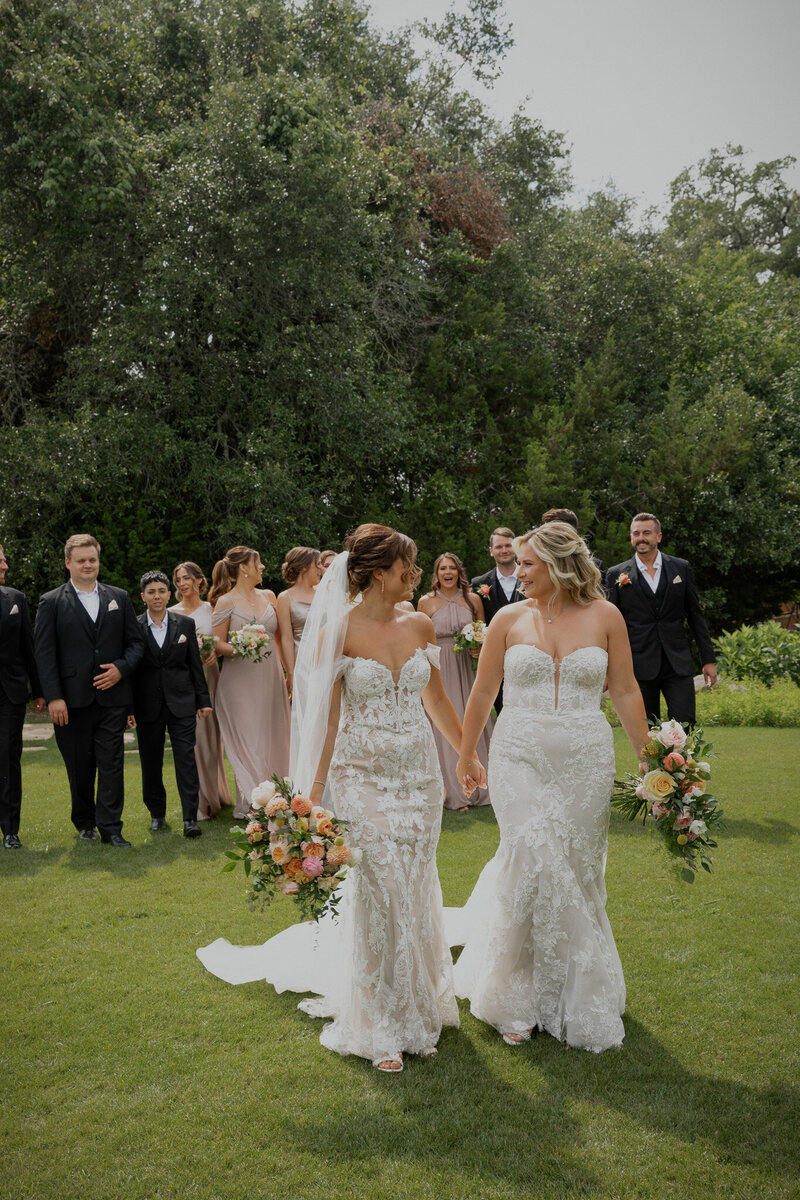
[457,679]
[214,791]
[253,710]
[299,610]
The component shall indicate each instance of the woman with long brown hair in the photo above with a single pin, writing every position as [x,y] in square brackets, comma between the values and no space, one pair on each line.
[302,572]
[252,700]
[451,604]
[366,675]
[190,587]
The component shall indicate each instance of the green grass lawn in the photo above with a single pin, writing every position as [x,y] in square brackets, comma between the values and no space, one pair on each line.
[127,1071]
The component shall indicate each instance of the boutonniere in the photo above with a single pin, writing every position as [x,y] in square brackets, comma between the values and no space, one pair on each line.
[182,638]
[113,606]
[14,610]
[677,579]
[484,589]
[623,579]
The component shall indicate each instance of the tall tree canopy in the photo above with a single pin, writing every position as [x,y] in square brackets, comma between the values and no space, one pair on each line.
[267,273]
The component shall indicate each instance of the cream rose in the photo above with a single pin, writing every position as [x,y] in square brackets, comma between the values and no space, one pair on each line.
[657,784]
[262,794]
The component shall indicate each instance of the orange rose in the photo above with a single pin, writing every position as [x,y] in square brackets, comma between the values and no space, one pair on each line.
[325,828]
[300,806]
[314,850]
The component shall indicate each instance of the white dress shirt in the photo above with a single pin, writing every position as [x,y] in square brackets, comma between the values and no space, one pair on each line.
[654,578]
[159,632]
[89,600]
[508,583]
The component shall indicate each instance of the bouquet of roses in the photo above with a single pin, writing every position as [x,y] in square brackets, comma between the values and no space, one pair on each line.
[471,637]
[206,642]
[250,642]
[675,792]
[291,846]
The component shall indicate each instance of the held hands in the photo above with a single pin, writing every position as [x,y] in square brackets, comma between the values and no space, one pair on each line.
[210,658]
[204,712]
[471,774]
[110,676]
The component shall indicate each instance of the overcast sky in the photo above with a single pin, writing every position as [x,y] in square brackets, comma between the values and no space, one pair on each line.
[644,88]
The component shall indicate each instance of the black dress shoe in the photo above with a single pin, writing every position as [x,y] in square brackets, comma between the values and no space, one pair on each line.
[191,829]
[88,835]
[115,839]
[12,842]
[157,823]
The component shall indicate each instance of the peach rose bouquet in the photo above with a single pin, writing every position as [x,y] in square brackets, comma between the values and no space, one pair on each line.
[293,847]
[675,792]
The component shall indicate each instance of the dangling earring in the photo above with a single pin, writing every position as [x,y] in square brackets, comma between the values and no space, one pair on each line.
[383,584]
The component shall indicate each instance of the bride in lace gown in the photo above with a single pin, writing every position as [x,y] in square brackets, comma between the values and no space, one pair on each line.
[367,673]
[538,949]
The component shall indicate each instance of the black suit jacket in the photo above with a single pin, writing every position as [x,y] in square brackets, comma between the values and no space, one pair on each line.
[657,622]
[171,674]
[70,647]
[496,597]
[17,662]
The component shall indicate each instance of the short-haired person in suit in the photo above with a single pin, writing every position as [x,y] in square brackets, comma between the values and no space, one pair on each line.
[500,586]
[169,693]
[657,596]
[569,518]
[17,668]
[87,643]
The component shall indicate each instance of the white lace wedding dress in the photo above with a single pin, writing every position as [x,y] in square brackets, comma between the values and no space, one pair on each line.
[384,970]
[538,948]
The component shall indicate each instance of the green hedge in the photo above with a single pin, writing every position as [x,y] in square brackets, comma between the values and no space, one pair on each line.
[745,702]
[765,652]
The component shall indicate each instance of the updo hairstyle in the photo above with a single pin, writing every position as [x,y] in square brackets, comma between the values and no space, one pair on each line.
[226,571]
[375,548]
[567,558]
[194,572]
[297,560]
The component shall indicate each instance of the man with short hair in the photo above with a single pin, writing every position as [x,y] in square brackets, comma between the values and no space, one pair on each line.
[87,643]
[169,693]
[17,667]
[499,586]
[657,596]
[569,518]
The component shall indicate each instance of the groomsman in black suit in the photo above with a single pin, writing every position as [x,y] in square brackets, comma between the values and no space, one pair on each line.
[657,596]
[169,693]
[500,586]
[88,642]
[17,666]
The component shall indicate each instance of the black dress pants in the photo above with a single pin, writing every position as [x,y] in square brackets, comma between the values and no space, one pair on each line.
[678,691]
[91,745]
[12,718]
[182,733]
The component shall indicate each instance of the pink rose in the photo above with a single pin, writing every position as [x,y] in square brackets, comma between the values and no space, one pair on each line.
[673,761]
[312,867]
[683,821]
[671,735]
[288,887]
[658,810]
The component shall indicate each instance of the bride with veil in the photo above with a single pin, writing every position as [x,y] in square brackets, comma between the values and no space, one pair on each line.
[366,675]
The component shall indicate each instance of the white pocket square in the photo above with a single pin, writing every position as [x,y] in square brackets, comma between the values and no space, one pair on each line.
[113,606]
[182,638]
[677,579]
[15,609]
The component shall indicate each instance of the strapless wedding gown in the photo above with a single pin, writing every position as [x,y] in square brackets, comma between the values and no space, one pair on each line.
[538,948]
[383,971]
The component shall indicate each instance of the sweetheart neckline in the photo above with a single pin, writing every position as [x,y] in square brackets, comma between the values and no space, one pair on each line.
[388,670]
[555,661]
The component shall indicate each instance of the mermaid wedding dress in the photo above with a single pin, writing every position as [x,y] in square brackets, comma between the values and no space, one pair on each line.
[383,970]
[538,948]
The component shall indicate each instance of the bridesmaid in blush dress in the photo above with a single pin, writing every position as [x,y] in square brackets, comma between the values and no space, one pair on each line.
[451,605]
[190,587]
[301,570]
[252,699]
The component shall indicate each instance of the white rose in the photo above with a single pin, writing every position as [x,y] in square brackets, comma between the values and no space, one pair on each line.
[671,735]
[704,767]
[262,794]
[699,828]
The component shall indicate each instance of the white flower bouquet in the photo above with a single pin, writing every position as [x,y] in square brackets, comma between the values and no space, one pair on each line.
[251,642]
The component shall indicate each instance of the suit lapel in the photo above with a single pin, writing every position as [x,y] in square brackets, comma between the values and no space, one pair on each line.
[105,599]
[668,573]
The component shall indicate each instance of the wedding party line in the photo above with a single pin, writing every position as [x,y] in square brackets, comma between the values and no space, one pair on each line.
[371,708]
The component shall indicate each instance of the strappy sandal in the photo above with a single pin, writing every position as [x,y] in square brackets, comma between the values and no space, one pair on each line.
[389,1066]
[429,1053]
[516,1039]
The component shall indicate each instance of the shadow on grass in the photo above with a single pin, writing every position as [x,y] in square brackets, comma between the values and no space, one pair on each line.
[456,822]
[457,1115]
[772,832]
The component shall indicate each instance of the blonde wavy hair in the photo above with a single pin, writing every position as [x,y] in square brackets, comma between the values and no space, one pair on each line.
[567,558]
